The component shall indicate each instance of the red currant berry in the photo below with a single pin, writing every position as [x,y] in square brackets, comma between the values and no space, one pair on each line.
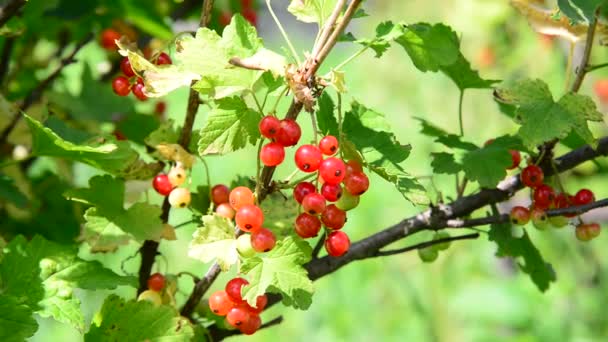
[138,91]
[121,86]
[337,243]
[272,154]
[289,133]
[108,36]
[163,58]
[543,196]
[520,215]
[587,232]
[563,201]
[240,197]
[352,166]
[332,170]
[249,218]
[515,158]
[307,226]
[125,66]
[160,107]
[225,210]
[269,126]
[313,203]
[237,316]
[328,145]
[532,176]
[584,196]
[250,15]
[246,3]
[303,189]
[333,218]
[156,282]
[225,18]
[252,325]
[162,185]
[263,240]
[220,303]
[357,183]
[308,158]
[233,289]
[119,135]
[220,193]
[331,192]
[260,304]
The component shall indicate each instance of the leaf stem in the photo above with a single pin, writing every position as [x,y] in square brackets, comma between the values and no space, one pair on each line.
[350,59]
[276,104]
[283,33]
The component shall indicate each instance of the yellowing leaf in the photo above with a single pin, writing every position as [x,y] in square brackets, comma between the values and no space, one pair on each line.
[215,240]
[176,153]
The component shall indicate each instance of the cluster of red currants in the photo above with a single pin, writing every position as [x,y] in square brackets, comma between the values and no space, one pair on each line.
[156,284]
[247,10]
[239,314]
[123,85]
[544,197]
[238,204]
[168,185]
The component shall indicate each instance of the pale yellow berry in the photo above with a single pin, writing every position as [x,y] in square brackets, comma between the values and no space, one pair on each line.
[179,197]
[177,175]
[151,296]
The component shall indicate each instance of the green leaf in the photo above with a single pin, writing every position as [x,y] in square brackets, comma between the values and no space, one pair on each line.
[579,11]
[279,214]
[465,78]
[104,192]
[9,192]
[16,320]
[164,134]
[541,272]
[280,271]
[136,127]
[144,16]
[430,46]
[138,321]
[445,163]
[542,119]
[370,133]
[101,234]
[230,126]
[488,165]
[326,120]
[200,200]
[443,137]
[312,11]
[386,32]
[215,240]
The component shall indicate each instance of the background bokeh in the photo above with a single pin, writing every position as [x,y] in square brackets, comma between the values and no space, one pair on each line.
[467,294]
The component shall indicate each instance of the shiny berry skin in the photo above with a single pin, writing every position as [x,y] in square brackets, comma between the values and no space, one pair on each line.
[125,66]
[263,240]
[352,166]
[233,289]
[331,192]
[121,86]
[307,226]
[289,133]
[337,243]
[249,218]
[333,218]
[313,203]
[251,325]
[179,197]
[539,219]
[162,185]
[356,183]
[269,126]
[308,158]
[138,91]
[272,154]
[532,176]
[220,303]
[237,316]
[329,145]
[347,201]
[163,58]
[156,282]
[587,232]
[520,215]
[332,170]
[108,36]
[260,304]
[225,210]
[220,193]
[303,189]
[584,196]
[177,175]
[543,196]
[516,159]
[428,254]
[240,196]
[250,15]
[150,296]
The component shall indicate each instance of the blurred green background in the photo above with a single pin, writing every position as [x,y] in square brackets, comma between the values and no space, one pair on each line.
[467,294]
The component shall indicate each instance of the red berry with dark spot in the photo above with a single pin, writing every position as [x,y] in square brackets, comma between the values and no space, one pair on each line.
[314,203]
[108,36]
[249,218]
[237,316]
[337,243]
[121,86]
[328,145]
[272,154]
[263,240]
[220,193]
[156,282]
[515,158]
[331,192]
[251,325]
[269,126]
[332,170]
[233,289]
[356,183]
[162,184]
[307,226]
[138,91]
[333,218]
[220,303]
[125,66]
[520,215]
[303,189]
[532,176]
[308,158]
[584,196]
[543,196]
[289,133]
[163,58]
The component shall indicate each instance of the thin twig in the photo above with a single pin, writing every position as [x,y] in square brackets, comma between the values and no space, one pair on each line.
[283,33]
[427,244]
[581,70]
[327,29]
[8,11]
[5,58]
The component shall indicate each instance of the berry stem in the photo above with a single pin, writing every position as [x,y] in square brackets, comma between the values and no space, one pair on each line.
[208,180]
[558,179]
[276,103]
[349,59]
[257,103]
[283,33]
[318,246]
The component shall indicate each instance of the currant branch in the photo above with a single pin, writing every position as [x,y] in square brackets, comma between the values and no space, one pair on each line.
[10,10]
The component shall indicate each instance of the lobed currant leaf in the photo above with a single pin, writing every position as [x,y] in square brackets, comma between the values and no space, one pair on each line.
[214,240]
